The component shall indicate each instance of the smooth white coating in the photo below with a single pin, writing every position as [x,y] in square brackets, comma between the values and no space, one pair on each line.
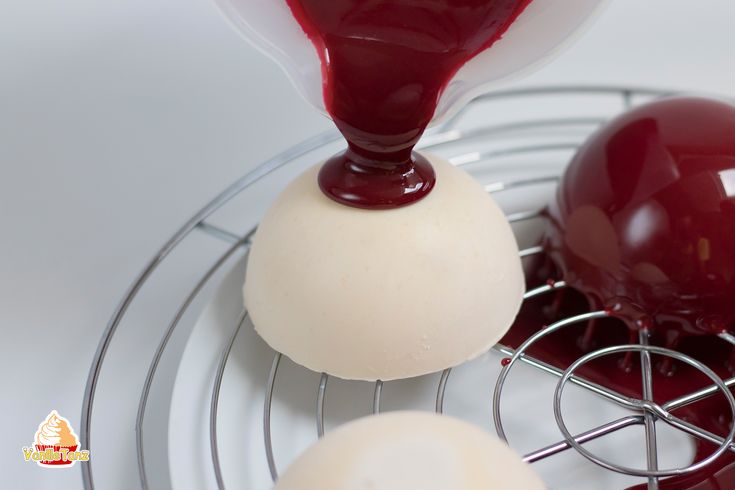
[409,450]
[365,294]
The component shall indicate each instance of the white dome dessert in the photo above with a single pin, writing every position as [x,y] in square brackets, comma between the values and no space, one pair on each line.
[409,450]
[384,294]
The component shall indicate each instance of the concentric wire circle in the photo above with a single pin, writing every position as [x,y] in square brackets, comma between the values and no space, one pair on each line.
[645,406]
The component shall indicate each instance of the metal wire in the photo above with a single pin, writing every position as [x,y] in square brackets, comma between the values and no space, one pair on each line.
[696,395]
[445,134]
[512,184]
[587,436]
[648,407]
[233,190]
[448,136]
[476,157]
[322,392]
[648,418]
[376,396]
[611,395]
[270,386]
[439,407]
[213,444]
[162,346]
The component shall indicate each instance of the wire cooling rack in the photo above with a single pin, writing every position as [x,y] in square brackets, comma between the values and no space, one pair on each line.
[534,130]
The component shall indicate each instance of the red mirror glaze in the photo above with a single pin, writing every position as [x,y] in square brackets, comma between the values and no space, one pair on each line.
[644,220]
[644,225]
[385,64]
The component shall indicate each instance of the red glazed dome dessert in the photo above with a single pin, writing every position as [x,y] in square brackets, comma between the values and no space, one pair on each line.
[644,219]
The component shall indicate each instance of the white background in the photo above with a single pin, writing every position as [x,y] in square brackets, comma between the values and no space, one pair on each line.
[119,119]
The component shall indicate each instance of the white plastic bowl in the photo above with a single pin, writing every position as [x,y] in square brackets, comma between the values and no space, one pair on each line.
[543,29]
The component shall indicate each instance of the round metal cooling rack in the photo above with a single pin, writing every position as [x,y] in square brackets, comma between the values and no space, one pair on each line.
[533,131]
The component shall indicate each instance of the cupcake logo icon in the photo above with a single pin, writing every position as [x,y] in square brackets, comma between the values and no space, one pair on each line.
[55,444]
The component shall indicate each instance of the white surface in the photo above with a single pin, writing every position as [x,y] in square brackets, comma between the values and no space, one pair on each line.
[409,449]
[119,119]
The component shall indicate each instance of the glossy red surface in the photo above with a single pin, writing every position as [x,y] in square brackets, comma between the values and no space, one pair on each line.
[351,180]
[644,220]
[644,226]
[385,64]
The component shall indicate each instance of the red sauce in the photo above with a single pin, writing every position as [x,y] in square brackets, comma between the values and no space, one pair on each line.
[644,227]
[385,64]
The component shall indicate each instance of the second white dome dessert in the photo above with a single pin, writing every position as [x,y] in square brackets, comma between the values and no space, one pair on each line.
[406,451]
[365,294]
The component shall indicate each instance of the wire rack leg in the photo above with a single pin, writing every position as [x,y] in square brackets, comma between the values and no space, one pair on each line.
[649,419]
[214,404]
[441,389]
[320,400]
[586,436]
[377,394]
[267,416]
